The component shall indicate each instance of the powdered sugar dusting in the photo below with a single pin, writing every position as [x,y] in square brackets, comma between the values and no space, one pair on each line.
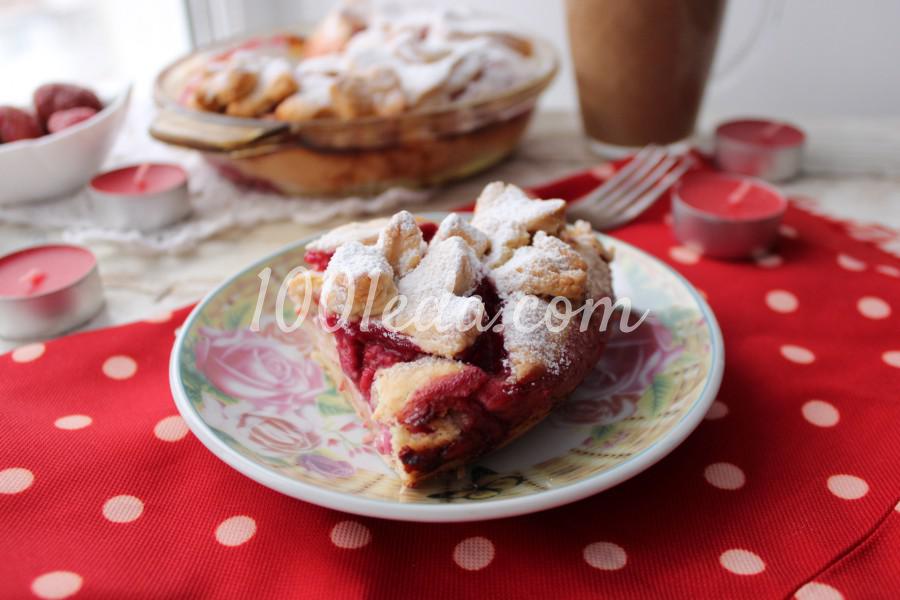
[402,243]
[506,215]
[356,260]
[454,225]
[528,339]
[437,54]
[365,232]
[504,203]
[438,311]
[449,266]
[549,267]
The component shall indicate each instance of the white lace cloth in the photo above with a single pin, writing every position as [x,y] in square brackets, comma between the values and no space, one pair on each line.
[217,204]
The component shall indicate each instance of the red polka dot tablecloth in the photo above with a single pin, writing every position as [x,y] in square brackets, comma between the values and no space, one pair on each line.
[788,488]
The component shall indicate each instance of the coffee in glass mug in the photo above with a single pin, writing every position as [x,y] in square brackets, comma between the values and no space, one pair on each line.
[641,67]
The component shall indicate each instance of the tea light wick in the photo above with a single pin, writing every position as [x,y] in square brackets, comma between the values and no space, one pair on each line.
[738,194]
[33,278]
[140,176]
[769,131]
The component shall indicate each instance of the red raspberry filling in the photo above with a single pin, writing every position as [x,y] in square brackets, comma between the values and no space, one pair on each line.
[480,401]
[319,259]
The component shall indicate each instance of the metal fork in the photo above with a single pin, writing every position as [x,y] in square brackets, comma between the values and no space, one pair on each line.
[633,189]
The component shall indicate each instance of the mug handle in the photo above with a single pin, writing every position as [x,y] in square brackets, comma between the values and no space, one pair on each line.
[767,23]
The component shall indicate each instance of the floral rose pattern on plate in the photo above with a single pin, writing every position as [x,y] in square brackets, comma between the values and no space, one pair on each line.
[333,446]
[277,435]
[628,368]
[274,401]
[323,465]
[252,367]
[267,397]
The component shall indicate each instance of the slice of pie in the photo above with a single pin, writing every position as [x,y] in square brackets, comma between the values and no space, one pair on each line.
[451,339]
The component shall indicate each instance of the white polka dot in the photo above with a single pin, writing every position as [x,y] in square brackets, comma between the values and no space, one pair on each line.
[56,584]
[888,270]
[797,354]
[474,553]
[717,410]
[72,422]
[850,263]
[725,476]
[781,301]
[769,261]
[176,331]
[163,317]
[821,414]
[818,591]
[28,352]
[123,509]
[848,487]
[605,556]
[350,535]
[15,480]
[235,530]
[171,429]
[788,231]
[685,256]
[897,507]
[742,562]
[891,358]
[119,367]
[873,308]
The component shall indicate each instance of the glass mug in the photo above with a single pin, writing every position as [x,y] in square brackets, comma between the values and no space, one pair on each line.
[641,67]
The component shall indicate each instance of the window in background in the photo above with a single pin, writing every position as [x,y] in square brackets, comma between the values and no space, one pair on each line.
[95,42]
[214,20]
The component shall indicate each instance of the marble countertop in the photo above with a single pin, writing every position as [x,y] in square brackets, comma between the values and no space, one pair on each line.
[139,285]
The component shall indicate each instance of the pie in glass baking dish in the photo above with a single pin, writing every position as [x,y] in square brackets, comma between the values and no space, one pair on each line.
[377,95]
[452,339]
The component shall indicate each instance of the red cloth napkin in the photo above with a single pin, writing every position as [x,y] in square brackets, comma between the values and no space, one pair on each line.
[791,483]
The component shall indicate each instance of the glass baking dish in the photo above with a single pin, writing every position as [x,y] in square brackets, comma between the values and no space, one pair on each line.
[363,156]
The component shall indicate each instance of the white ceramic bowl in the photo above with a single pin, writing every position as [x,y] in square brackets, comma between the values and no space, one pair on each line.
[62,162]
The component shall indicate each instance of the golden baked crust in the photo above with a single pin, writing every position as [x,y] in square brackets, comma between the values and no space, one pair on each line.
[507,216]
[582,239]
[391,390]
[219,88]
[454,225]
[441,316]
[374,92]
[361,61]
[401,242]
[432,405]
[364,232]
[357,277]
[383,260]
[415,162]
[505,203]
[548,267]
[264,97]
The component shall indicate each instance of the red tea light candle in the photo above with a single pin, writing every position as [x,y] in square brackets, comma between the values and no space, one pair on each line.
[46,290]
[726,216]
[770,150]
[143,197]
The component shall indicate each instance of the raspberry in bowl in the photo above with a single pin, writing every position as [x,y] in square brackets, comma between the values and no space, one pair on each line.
[56,146]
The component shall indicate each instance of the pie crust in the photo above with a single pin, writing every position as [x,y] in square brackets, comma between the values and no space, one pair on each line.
[450,337]
[364,61]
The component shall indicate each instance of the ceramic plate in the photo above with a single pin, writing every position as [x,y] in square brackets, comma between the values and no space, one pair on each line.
[261,402]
